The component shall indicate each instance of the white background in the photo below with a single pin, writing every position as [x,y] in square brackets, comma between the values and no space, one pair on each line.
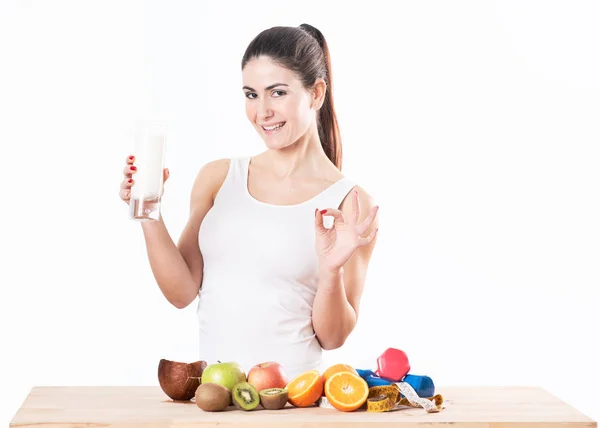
[473,124]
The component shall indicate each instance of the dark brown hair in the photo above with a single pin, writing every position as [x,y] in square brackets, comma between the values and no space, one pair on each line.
[304,51]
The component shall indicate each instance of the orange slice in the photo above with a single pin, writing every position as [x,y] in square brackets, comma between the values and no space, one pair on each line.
[305,389]
[346,391]
[336,368]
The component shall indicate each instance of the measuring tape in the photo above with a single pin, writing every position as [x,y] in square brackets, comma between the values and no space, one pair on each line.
[388,397]
[382,398]
[430,406]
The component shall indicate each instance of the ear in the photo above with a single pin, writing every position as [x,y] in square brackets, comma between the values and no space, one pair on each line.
[318,93]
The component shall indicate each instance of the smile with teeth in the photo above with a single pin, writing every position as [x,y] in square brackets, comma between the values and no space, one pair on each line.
[274,127]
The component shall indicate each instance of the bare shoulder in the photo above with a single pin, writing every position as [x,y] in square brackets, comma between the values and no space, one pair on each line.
[365,200]
[210,178]
[215,170]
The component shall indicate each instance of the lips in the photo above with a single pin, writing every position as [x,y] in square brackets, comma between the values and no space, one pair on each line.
[274,127]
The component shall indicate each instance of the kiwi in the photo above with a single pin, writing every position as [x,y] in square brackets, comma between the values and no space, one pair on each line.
[273,398]
[212,397]
[245,396]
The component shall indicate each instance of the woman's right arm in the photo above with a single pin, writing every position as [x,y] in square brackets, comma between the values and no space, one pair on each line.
[178,268]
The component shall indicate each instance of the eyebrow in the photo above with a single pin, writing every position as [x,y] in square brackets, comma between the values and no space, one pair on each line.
[274,85]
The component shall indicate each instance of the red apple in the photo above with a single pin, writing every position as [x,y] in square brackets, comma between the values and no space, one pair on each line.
[267,375]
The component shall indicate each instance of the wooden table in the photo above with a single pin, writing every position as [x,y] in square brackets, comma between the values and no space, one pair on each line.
[149,407]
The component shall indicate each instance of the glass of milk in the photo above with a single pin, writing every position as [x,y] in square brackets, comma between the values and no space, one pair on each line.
[149,151]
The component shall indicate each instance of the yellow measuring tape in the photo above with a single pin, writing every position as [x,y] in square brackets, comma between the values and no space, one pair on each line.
[382,398]
[385,398]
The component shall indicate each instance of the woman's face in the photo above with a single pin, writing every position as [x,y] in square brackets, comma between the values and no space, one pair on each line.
[275,97]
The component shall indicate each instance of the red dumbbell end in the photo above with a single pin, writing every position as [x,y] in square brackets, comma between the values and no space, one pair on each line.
[392,365]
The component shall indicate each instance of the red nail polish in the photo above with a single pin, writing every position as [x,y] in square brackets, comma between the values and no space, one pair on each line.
[130,157]
[323,211]
[130,181]
[133,168]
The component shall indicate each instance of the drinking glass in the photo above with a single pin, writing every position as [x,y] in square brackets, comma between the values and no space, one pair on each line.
[149,150]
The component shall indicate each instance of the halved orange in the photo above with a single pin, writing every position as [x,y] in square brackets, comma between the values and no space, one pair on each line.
[336,368]
[305,389]
[346,391]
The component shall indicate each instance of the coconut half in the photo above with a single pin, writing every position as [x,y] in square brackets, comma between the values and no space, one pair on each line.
[180,380]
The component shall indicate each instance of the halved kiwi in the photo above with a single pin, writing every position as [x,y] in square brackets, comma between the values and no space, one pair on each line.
[245,396]
[273,398]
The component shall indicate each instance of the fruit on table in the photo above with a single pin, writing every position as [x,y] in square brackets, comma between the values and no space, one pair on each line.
[273,398]
[227,374]
[346,391]
[180,380]
[212,397]
[267,375]
[305,389]
[336,368]
[245,396]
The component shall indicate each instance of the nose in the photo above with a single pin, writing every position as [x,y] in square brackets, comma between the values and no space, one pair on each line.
[264,109]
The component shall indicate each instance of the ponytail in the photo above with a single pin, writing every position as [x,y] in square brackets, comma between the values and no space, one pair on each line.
[329,132]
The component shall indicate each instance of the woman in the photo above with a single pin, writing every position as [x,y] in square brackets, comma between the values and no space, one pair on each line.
[274,282]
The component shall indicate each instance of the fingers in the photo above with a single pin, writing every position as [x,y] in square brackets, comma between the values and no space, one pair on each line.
[319,226]
[125,192]
[126,184]
[368,239]
[128,171]
[337,215]
[125,195]
[366,223]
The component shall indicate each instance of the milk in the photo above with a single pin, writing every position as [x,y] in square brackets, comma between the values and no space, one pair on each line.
[149,152]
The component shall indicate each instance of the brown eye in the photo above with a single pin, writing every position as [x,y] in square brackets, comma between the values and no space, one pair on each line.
[248,95]
[281,92]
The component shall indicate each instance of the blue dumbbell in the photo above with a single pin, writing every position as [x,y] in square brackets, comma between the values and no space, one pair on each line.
[423,385]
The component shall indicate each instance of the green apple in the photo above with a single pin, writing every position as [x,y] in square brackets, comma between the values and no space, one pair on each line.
[227,374]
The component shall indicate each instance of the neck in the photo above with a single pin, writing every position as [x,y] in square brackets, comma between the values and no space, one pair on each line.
[304,158]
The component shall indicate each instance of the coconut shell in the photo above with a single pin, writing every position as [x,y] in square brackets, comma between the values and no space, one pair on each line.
[180,380]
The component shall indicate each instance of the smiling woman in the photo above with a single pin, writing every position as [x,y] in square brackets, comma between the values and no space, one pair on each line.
[273,282]
[268,128]
[292,71]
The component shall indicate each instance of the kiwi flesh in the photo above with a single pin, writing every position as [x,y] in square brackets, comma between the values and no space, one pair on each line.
[273,398]
[212,397]
[245,396]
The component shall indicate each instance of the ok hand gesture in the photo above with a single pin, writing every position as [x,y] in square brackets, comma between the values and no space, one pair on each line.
[335,246]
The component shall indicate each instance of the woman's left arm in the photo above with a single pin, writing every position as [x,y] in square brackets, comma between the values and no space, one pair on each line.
[344,252]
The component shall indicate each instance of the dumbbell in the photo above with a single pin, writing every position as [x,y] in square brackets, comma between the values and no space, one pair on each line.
[393,366]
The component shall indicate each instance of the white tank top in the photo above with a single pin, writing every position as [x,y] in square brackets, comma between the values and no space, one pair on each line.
[260,276]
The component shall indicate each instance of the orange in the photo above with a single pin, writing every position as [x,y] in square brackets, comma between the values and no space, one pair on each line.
[346,391]
[305,389]
[336,368]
